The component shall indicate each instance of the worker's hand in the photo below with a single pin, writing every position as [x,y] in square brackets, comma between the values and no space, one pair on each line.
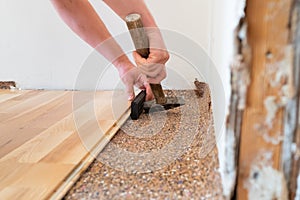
[132,76]
[154,66]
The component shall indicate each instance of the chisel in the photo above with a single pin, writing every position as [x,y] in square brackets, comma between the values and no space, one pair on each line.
[141,43]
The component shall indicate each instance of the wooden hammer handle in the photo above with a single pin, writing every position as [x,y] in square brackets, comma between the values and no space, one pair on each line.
[141,43]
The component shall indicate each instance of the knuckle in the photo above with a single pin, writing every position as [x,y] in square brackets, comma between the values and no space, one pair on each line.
[166,55]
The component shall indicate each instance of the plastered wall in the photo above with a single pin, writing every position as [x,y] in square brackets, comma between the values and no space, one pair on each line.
[39,51]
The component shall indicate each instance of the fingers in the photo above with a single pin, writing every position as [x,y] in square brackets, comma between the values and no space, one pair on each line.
[152,70]
[156,56]
[130,92]
[154,66]
[127,75]
[161,76]
[149,94]
[134,77]
[142,83]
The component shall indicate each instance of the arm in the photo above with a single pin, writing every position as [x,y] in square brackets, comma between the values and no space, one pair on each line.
[81,17]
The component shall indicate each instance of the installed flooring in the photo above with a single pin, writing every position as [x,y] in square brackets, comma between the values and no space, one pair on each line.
[47,138]
[163,155]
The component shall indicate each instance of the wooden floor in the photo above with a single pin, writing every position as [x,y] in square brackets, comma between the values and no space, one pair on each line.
[48,137]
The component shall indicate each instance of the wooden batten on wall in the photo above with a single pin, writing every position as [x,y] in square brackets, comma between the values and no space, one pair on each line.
[292,169]
[262,128]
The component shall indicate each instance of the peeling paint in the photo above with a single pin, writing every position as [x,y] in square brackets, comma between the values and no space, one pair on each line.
[290,124]
[240,74]
[240,80]
[281,77]
[264,182]
[267,180]
[275,140]
[297,197]
[293,148]
[242,34]
[239,83]
[272,108]
[229,176]
[263,131]
[282,74]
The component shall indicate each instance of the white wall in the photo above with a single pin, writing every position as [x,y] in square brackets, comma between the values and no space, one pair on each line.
[39,51]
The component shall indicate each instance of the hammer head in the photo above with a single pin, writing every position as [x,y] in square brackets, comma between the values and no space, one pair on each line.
[139,104]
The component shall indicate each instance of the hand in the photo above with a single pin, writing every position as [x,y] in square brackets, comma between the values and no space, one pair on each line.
[132,76]
[154,66]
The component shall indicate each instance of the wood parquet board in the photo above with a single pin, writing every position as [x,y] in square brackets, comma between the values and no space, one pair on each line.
[48,138]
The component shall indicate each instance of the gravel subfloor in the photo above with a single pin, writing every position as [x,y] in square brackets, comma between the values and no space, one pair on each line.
[163,155]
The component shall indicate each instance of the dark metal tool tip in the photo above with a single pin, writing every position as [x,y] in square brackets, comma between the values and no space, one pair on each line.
[139,104]
[172,102]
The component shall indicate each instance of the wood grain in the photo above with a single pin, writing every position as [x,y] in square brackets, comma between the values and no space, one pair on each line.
[4,96]
[268,38]
[48,138]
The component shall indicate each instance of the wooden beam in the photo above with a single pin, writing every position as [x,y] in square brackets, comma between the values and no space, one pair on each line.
[271,86]
[294,165]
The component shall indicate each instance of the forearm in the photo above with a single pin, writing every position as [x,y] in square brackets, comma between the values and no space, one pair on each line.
[81,17]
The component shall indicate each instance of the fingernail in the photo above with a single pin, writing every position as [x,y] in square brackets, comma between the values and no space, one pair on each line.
[131,97]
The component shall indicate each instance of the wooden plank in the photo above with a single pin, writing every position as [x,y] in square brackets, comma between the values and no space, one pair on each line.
[262,126]
[74,176]
[294,159]
[21,124]
[9,140]
[35,149]
[31,131]
[21,193]
[59,111]
[41,99]
[36,178]
[18,98]
[9,94]
[47,141]
[90,130]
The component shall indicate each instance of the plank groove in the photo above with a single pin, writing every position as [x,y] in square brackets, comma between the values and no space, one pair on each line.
[47,138]
[6,95]
[29,105]
[17,98]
